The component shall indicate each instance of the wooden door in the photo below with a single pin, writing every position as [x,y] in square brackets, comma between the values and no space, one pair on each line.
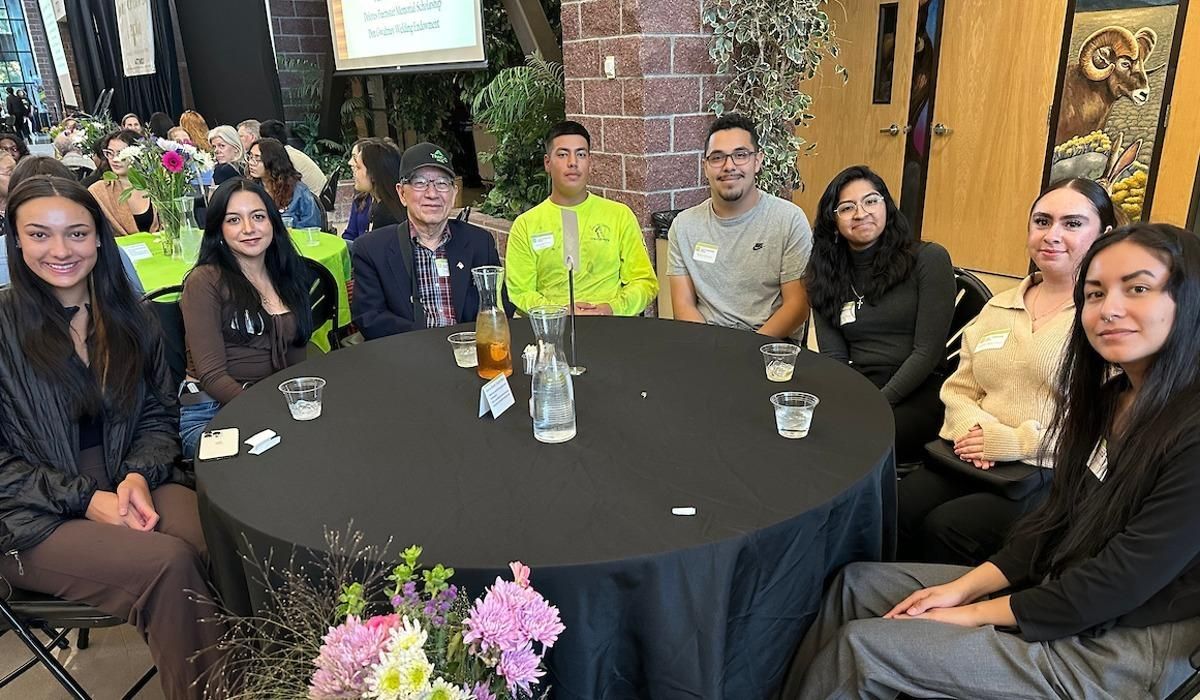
[1176,179]
[849,128]
[997,68]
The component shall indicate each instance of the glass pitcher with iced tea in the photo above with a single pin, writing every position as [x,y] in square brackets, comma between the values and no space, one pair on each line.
[492,344]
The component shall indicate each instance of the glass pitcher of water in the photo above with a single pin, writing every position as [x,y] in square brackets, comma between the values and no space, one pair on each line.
[553,392]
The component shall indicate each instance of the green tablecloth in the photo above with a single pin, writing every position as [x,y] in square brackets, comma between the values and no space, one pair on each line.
[158,270]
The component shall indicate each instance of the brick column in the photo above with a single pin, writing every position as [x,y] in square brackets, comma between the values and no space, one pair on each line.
[41,56]
[301,31]
[648,123]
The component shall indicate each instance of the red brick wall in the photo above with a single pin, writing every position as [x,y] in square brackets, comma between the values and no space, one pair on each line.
[41,56]
[301,31]
[648,123]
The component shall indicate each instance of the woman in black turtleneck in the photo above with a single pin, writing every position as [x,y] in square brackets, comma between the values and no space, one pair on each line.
[882,301]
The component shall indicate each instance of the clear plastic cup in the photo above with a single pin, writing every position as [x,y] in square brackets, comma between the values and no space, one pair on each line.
[464,349]
[288,221]
[312,237]
[794,413]
[303,395]
[779,360]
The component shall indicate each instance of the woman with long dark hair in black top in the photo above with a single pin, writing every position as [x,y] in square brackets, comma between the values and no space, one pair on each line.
[1097,594]
[882,301]
[89,507]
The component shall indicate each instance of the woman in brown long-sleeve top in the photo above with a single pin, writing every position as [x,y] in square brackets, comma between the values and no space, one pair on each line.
[135,214]
[245,305]
[89,510]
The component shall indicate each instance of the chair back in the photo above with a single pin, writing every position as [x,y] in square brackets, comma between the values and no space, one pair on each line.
[323,293]
[970,298]
[170,319]
[328,195]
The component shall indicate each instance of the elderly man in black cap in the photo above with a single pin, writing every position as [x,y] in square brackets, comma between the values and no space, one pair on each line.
[417,274]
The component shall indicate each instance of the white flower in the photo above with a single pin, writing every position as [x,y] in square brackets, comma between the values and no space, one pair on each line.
[204,160]
[407,638]
[167,145]
[400,677]
[130,153]
[443,690]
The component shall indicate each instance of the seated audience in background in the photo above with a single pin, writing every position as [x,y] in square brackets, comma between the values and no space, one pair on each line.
[228,152]
[45,165]
[1095,595]
[417,274]
[738,258]
[882,301]
[97,155]
[131,122]
[1000,398]
[178,134]
[613,273]
[7,165]
[197,129]
[247,132]
[245,305]
[70,153]
[269,163]
[88,505]
[135,214]
[375,165]
[13,145]
[160,125]
[311,173]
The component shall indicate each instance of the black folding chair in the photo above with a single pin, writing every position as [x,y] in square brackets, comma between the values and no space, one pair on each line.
[170,318]
[23,611]
[971,297]
[323,292]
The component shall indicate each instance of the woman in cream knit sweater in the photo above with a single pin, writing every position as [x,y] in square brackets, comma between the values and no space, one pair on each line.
[999,400]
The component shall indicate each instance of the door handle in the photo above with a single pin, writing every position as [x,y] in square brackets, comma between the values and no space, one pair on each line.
[941,129]
[894,129]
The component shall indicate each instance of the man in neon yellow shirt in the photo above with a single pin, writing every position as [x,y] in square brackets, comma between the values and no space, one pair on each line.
[614,275]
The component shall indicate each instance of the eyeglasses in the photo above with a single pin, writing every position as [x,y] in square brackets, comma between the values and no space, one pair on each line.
[421,184]
[846,210]
[109,153]
[739,157]
[253,159]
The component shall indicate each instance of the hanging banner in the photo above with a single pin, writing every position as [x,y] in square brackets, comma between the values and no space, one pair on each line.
[57,53]
[134,25]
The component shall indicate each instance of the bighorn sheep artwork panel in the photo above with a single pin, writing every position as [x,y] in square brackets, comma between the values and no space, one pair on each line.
[1112,98]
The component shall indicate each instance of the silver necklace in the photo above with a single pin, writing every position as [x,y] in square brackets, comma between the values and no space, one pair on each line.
[860,297]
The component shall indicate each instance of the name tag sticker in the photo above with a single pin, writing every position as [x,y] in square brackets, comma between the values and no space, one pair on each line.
[705,252]
[543,241]
[847,314]
[992,341]
[443,267]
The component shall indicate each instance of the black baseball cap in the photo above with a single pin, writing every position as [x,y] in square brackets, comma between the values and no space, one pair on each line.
[424,155]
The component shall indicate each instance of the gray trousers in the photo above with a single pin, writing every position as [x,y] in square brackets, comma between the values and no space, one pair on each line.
[851,652]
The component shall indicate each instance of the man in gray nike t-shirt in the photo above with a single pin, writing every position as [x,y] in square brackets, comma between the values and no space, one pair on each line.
[738,258]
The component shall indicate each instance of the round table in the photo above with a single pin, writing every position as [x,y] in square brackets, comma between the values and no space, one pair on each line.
[669,414]
[156,270]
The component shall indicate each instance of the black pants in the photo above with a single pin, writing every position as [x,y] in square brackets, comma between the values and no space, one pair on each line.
[918,419]
[951,519]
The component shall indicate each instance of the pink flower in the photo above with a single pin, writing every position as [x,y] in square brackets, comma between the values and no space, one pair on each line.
[481,692]
[493,624]
[347,654]
[520,668]
[520,573]
[172,161]
[388,622]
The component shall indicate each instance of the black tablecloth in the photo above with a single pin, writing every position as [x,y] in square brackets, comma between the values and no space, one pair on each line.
[655,605]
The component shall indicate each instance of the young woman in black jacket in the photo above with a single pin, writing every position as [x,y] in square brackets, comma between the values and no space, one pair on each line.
[1097,594]
[89,436]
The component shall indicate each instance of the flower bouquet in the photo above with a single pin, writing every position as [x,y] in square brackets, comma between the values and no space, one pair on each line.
[434,645]
[165,171]
[86,131]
